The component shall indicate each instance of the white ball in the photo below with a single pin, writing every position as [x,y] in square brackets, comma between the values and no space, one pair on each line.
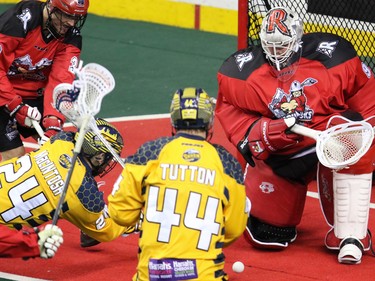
[238,267]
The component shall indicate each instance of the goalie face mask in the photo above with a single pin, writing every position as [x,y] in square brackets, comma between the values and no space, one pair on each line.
[97,153]
[280,36]
[191,108]
[66,15]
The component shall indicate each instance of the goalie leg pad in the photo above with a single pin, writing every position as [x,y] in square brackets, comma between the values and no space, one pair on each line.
[325,191]
[263,235]
[333,243]
[351,204]
[274,200]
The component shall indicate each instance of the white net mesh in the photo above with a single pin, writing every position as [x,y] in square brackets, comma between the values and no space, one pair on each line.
[85,95]
[344,145]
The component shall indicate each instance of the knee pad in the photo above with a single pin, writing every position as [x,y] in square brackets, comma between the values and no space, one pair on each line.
[263,235]
[264,188]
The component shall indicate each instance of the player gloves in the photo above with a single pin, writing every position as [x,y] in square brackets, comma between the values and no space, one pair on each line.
[266,136]
[23,113]
[50,239]
[52,125]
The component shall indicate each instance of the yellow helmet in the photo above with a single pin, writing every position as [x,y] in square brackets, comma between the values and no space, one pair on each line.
[93,146]
[191,108]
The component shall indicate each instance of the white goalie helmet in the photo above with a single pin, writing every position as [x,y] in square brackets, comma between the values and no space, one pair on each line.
[280,36]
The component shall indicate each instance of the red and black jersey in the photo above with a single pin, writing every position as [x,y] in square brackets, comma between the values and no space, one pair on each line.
[330,79]
[33,62]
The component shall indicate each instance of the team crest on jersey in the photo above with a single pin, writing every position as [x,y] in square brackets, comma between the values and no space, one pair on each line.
[242,59]
[25,17]
[65,161]
[191,155]
[24,68]
[294,103]
[327,48]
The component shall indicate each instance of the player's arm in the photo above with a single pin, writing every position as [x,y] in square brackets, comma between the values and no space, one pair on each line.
[65,60]
[98,225]
[236,205]
[125,201]
[236,212]
[233,119]
[30,243]
[360,88]
[18,244]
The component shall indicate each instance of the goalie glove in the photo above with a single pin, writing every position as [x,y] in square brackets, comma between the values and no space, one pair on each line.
[52,126]
[23,113]
[267,136]
[50,239]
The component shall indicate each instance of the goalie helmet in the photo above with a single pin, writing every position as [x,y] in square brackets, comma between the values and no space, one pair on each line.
[62,11]
[191,108]
[280,36]
[93,147]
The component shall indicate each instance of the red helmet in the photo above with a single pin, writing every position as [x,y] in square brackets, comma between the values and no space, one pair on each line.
[71,7]
[74,9]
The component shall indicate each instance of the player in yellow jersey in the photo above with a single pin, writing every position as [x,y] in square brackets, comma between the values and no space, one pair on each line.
[191,193]
[31,184]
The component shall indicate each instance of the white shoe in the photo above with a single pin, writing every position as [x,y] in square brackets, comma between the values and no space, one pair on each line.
[351,250]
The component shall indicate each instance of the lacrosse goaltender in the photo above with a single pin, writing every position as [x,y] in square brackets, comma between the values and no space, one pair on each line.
[311,77]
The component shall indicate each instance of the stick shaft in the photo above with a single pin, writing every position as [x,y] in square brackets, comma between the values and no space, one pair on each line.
[304,131]
[76,151]
[38,128]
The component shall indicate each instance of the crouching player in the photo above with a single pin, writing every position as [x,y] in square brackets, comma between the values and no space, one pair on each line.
[311,77]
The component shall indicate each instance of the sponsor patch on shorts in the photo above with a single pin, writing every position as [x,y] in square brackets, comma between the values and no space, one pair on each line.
[172,269]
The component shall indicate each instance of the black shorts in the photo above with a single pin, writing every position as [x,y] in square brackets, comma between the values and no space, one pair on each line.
[11,131]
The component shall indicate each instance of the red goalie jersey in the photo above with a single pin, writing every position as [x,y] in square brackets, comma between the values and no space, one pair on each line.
[33,62]
[329,80]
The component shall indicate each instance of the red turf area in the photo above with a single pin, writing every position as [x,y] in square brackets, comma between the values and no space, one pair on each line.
[305,260]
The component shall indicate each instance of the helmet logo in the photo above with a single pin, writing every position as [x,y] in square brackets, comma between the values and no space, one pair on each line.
[276,20]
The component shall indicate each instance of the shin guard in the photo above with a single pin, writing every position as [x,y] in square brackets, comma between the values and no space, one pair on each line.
[351,204]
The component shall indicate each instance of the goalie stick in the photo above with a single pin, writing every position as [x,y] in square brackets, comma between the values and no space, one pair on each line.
[341,145]
[38,128]
[80,102]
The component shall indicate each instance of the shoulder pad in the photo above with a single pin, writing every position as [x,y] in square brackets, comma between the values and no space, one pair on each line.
[329,49]
[243,62]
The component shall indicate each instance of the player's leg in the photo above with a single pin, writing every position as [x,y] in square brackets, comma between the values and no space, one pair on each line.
[277,206]
[345,199]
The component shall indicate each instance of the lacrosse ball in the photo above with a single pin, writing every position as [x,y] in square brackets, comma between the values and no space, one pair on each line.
[238,267]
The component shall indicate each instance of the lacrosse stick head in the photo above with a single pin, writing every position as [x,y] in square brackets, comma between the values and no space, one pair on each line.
[344,144]
[84,96]
[97,153]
